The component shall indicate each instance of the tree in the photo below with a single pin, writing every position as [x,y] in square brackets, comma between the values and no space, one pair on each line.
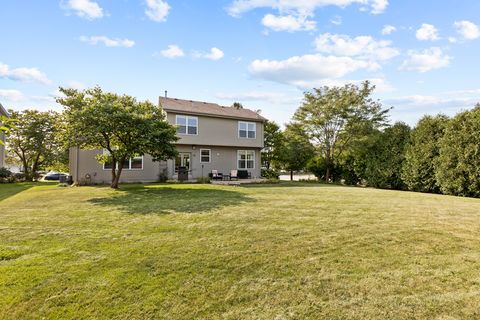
[458,165]
[6,125]
[272,143]
[422,154]
[119,124]
[333,118]
[237,105]
[34,142]
[296,149]
[385,157]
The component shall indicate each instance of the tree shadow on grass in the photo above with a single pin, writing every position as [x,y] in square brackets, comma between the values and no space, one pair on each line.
[8,190]
[165,200]
[291,184]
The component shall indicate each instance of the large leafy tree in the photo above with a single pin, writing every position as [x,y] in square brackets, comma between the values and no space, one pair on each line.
[385,156]
[34,140]
[6,125]
[272,143]
[296,149]
[119,124]
[458,165]
[335,117]
[422,154]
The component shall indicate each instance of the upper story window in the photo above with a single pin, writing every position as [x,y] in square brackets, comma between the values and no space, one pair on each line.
[187,125]
[247,130]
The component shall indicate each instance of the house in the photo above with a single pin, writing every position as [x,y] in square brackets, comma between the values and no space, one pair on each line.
[211,137]
[3,112]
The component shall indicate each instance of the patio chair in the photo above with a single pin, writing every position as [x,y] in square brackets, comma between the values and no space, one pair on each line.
[233,174]
[216,175]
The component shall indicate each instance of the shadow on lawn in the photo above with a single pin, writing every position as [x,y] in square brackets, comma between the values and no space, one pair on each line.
[291,184]
[8,190]
[165,200]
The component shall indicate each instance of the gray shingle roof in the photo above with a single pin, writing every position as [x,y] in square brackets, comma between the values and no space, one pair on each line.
[208,109]
[3,111]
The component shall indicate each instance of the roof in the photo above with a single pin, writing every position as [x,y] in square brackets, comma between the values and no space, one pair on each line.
[208,109]
[3,111]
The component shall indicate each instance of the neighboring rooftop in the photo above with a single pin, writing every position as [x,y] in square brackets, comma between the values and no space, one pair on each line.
[207,108]
[3,111]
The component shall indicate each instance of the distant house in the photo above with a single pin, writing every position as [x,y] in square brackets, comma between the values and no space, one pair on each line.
[3,112]
[212,137]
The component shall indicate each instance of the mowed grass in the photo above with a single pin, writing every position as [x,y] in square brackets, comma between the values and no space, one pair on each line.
[287,251]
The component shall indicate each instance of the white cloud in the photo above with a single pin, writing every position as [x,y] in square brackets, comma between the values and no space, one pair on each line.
[23,74]
[215,54]
[468,30]
[173,51]
[427,32]
[388,29]
[273,97]
[85,9]
[11,95]
[425,60]
[364,47]
[303,6]
[288,23]
[302,71]
[157,10]
[337,20]
[452,40]
[108,42]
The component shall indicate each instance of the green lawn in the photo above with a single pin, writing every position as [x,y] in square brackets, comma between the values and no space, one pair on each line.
[287,251]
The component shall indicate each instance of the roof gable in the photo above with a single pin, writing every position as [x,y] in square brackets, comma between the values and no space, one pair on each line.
[3,111]
[208,109]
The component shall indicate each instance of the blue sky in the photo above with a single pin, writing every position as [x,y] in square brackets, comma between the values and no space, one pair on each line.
[422,55]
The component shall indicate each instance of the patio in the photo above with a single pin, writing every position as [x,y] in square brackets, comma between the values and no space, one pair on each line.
[237,182]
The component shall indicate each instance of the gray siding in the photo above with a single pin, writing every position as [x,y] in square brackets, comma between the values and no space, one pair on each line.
[88,165]
[2,152]
[220,135]
[223,159]
[219,132]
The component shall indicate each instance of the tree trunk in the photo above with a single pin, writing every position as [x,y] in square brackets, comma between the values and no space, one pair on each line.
[114,173]
[34,166]
[116,176]
[328,164]
[291,175]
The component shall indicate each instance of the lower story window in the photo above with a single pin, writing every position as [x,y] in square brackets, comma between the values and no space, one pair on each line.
[135,163]
[246,159]
[205,155]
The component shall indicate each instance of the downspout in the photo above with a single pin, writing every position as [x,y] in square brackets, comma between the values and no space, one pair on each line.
[76,165]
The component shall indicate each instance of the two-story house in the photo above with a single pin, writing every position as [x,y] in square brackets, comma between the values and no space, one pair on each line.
[3,112]
[212,137]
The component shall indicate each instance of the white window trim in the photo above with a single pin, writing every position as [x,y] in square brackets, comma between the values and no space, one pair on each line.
[209,155]
[186,126]
[245,152]
[129,164]
[247,123]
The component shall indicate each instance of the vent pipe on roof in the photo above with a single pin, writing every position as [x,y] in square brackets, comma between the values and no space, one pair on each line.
[166,93]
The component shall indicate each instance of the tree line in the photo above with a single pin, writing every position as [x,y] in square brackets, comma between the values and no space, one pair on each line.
[342,135]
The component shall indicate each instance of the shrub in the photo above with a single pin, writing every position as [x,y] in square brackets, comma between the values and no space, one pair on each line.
[317,166]
[270,174]
[458,168]
[203,180]
[6,176]
[162,177]
[422,154]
